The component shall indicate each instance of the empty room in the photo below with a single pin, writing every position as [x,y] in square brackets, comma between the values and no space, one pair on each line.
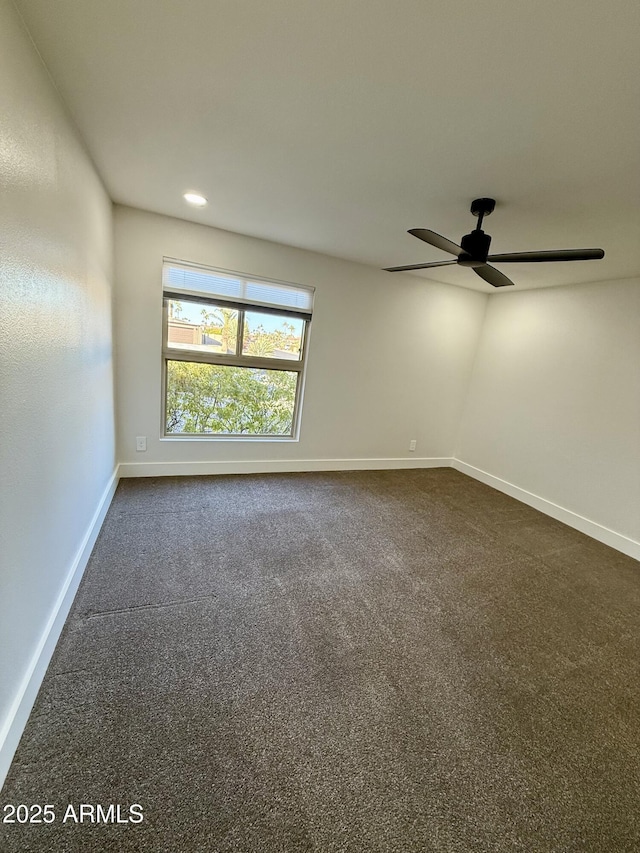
[320,374]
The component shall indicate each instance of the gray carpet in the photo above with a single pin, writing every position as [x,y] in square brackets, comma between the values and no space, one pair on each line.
[360,661]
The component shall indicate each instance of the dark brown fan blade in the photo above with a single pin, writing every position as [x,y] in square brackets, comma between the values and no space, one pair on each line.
[492,276]
[436,240]
[419,266]
[559,255]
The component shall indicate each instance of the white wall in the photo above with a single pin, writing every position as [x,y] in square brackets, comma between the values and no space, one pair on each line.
[56,390]
[389,356]
[554,402]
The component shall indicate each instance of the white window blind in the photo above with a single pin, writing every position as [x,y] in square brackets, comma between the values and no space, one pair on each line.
[181,279]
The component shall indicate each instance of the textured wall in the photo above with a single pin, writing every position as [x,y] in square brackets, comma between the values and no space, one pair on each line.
[56,389]
[554,403]
[389,357]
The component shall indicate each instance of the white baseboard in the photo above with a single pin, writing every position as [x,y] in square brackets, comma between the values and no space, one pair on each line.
[572,519]
[16,720]
[275,466]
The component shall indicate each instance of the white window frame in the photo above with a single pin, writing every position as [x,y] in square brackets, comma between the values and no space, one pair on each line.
[239,359]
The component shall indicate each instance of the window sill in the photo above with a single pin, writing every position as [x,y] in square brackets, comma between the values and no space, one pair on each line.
[234,438]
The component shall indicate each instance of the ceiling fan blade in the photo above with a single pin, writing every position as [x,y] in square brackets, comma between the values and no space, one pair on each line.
[492,276]
[559,255]
[419,266]
[436,240]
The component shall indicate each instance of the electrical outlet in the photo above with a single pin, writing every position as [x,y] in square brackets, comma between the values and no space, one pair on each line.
[412,444]
[141,442]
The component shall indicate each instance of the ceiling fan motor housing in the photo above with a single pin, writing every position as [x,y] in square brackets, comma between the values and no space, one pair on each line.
[475,248]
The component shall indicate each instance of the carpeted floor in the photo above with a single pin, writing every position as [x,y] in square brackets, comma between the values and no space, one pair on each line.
[377,662]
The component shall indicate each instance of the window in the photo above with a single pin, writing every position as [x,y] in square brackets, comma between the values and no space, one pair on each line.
[234,352]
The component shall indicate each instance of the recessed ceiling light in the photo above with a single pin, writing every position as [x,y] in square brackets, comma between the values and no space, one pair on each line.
[195,198]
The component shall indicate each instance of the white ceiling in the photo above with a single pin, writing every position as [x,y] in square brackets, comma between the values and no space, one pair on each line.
[336,125]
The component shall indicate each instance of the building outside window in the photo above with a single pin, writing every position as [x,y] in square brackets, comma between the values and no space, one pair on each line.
[234,352]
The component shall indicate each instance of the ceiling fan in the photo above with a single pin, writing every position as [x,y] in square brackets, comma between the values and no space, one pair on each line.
[473,250]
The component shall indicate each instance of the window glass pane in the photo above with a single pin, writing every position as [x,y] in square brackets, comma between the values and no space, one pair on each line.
[219,399]
[196,326]
[271,336]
